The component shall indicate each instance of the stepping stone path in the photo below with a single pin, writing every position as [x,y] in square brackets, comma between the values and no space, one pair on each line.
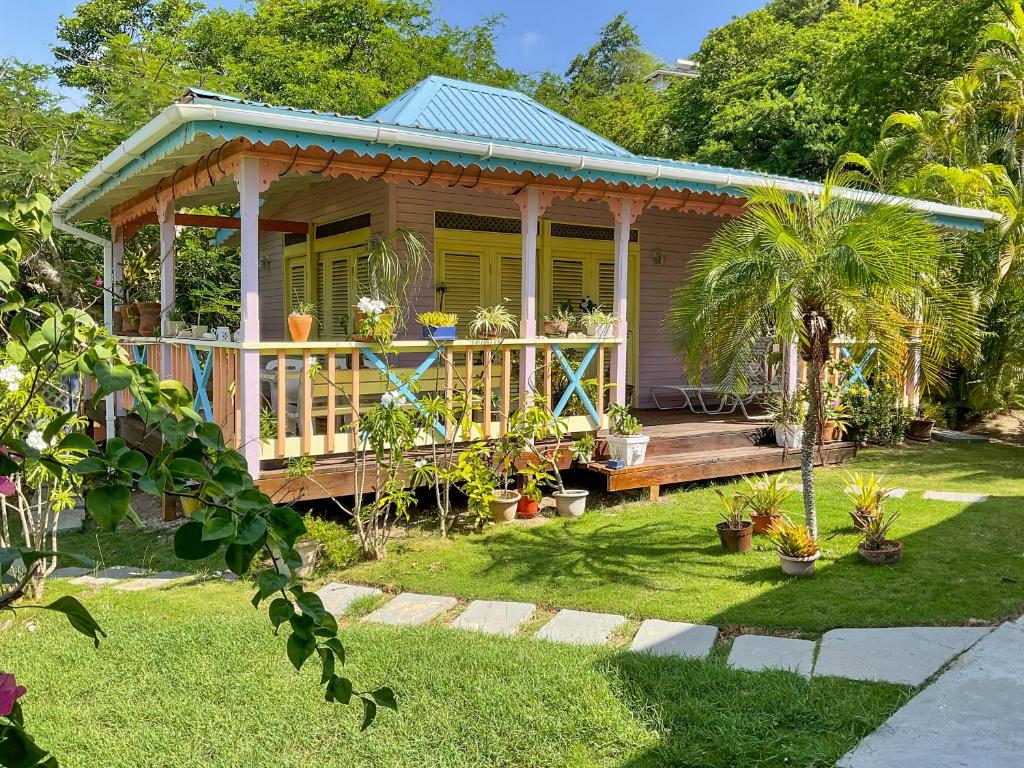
[494,617]
[161,579]
[898,493]
[674,638]
[109,576]
[953,436]
[581,627]
[71,572]
[338,598]
[759,652]
[970,716]
[966,498]
[904,655]
[71,520]
[411,609]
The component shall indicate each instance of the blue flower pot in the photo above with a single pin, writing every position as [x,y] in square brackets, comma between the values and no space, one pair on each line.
[438,332]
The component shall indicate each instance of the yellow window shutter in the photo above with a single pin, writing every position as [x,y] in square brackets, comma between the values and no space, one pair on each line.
[606,285]
[510,290]
[296,283]
[566,282]
[362,277]
[339,298]
[462,277]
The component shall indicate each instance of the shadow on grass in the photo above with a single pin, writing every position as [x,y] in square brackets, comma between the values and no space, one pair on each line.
[707,714]
[978,466]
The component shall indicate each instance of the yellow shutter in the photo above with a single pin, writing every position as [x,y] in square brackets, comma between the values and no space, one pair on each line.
[340,299]
[606,285]
[462,277]
[510,288]
[567,282]
[296,283]
[362,277]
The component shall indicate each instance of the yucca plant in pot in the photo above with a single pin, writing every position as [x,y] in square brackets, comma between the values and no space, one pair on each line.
[625,443]
[797,549]
[300,320]
[765,498]
[734,531]
[867,494]
[920,428]
[598,323]
[876,547]
[556,325]
[787,414]
[493,322]
[439,326]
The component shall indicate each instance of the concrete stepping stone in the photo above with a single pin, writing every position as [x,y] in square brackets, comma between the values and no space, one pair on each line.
[756,653]
[411,609]
[71,520]
[965,498]
[581,627]
[338,598]
[70,572]
[494,617]
[674,638]
[161,579]
[110,576]
[903,655]
[954,436]
[898,493]
[970,716]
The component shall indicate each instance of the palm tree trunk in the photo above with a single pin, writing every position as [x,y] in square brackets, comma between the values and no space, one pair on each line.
[807,446]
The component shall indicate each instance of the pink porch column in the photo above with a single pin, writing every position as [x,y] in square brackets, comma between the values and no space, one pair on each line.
[165,215]
[530,207]
[249,183]
[623,209]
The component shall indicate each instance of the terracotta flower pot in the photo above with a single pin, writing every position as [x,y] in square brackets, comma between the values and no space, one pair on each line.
[130,319]
[504,505]
[798,566]
[890,553]
[830,431]
[556,329]
[763,522]
[736,540]
[149,318]
[527,508]
[120,312]
[921,430]
[299,326]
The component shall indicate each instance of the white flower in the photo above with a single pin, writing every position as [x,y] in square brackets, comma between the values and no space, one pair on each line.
[311,361]
[12,376]
[421,463]
[371,307]
[392,398]
[35,440]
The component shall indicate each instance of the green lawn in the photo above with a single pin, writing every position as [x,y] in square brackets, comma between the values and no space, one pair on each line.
[961,563]
[191,676]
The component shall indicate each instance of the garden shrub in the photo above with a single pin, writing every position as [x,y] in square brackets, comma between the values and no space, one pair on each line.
[877,414]
[338,548]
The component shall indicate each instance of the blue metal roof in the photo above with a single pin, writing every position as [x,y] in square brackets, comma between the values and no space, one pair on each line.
[459,108]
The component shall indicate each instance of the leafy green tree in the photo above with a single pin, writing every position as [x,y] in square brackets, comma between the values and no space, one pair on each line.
[808,269]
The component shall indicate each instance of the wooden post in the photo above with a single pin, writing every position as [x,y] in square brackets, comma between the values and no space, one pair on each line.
[506,388]
[250,184]
[599,405]
[469,389]
[623,221]
[165,215]
[530,208]
[486,404]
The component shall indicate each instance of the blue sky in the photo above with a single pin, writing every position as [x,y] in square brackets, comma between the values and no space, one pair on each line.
[538,34]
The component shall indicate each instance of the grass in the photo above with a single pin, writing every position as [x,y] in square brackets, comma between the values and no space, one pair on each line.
[962,562]
[191,676]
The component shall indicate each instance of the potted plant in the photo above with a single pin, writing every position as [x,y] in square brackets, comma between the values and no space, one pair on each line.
[300,320]
[493,322]
[836,419]
[534,477]
[876,548]
[535,423]
[583,449]
[867,495]
[734,532]
[625,443]
[374,320]
[798,551]
[439,326]
[787,415]
[130,319]
[556,325]
[765,498]
[175,322]
[598,323]
[920,428]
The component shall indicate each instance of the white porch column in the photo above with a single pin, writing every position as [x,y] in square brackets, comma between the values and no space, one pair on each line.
[249,185]
[530,207]
[624,218]
[790,369]
[113,259]
[165,215]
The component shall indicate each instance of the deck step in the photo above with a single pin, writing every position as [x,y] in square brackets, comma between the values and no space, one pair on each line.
[689,466]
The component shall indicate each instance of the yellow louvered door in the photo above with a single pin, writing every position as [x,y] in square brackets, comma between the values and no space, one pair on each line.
[334,290]
[510,282]
[604,290]
[567,282]
[462,275]
[295,282]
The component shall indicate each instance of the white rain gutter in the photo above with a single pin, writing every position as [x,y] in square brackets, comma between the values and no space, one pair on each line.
[179,114]
[108,296]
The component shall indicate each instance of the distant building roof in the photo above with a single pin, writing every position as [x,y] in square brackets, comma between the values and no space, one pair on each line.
[660,79]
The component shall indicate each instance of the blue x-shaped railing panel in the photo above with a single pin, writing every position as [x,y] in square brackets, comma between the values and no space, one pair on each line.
[857,371]
[404,388]
[576,382]
[201,371]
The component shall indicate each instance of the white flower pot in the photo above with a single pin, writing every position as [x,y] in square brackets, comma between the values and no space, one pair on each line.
[600,330]
[788,435]
[503,506]
[571,503]
[798,566]
[631,449]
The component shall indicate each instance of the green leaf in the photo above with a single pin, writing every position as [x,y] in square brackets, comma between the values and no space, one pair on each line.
[280,611]
[299,649]
[218,527]
[327,626]
[369,714]
[133,461]
[189,543]
[385,697]
[311,605]
[339,690]
[327,664]
[189,469]
[337,646]
[79,617]
[210,435]
[239,556]
[8,466]
[270,581]
[286,523]
[57,425]
[77,441]
[251,529]
[112,377]
[108,504]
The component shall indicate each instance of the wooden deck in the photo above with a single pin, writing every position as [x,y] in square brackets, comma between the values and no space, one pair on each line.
[685,448]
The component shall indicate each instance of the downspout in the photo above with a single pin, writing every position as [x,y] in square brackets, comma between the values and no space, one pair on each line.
[108,295]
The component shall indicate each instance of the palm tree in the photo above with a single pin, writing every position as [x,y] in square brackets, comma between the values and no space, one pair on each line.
[807,268]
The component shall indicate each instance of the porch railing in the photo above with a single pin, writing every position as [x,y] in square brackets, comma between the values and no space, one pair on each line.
[313,393]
